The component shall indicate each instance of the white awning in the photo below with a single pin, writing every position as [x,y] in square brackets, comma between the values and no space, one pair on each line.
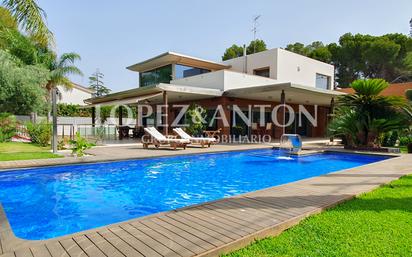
[131,100]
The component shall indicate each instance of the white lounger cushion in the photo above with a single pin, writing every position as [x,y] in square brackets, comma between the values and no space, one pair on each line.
[184,135]
[161,138]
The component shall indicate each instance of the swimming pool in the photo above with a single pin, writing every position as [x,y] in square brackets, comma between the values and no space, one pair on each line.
[42,203]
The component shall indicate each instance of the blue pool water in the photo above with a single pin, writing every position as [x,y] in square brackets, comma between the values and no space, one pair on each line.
[43,203]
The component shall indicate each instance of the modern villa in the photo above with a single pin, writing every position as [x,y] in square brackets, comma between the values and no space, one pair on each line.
[266,78]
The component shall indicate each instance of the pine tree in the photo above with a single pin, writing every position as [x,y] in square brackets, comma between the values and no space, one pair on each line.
[96,83]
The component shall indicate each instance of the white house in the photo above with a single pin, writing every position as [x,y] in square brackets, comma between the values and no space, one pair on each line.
[75,95]
[265,78]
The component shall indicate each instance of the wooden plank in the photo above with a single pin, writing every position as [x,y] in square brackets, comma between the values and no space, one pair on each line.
[237,225]
[233,229]
[251,215]
[297,209]
[72,248]
[227,218]
[176,247]
[56,249]
[254,205]
[40,251]
[296,195]
[25,252]
[194,239]
[144,249]
[200,233]
[237,213]
[8,254]
[158,247]
[88,246]
[173,236]
[275,205]
[104,246]
[119,244]
[202,226]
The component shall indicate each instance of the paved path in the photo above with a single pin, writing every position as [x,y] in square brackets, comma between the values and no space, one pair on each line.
[216,227]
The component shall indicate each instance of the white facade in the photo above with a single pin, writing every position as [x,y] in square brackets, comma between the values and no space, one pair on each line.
[224,80]
[284,66]
[76,95]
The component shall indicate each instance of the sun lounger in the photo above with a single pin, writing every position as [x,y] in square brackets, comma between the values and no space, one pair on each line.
[195,140]
[158,139]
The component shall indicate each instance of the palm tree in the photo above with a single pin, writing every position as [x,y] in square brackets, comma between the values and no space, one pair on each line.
[31,18]
[60,69]
[366,114]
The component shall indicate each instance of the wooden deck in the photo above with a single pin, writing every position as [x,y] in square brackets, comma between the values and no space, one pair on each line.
[215,227]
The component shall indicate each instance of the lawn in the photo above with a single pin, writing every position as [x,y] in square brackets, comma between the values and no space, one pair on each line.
[11,151]
[378,223]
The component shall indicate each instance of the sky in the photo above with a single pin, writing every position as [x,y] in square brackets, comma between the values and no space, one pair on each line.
[111,35]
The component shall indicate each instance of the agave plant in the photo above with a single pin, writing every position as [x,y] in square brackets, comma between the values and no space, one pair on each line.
[366,114]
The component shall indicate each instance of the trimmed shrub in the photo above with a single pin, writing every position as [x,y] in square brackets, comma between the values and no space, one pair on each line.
[8,125]
[73,110]
[40,133]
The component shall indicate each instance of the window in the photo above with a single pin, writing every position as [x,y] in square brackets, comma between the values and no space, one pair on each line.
[263,72]
[155,76]
[182,71]
[322,81]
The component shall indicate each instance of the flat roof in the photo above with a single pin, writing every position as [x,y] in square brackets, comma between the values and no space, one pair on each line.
[296,94]
[172,57]
[175,93]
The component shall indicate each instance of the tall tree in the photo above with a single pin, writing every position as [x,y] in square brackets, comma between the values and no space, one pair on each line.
[256,46]
[235,51]
[316,50]
[232,52]
[96,83]
[21,86]
[298,48]
[60,68]
[31,18]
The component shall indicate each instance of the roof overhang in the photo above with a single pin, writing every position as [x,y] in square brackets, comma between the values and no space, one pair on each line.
[294,93]
[171,57]
[154,95]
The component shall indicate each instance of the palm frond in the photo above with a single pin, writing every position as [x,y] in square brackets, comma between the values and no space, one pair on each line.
[31,18]
[68,58]
[369,87]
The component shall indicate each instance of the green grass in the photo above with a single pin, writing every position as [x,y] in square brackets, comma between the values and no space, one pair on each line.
[403,149]
[378,223]
[11,151]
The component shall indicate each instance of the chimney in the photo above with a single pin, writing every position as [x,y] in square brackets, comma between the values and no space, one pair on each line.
[245,59]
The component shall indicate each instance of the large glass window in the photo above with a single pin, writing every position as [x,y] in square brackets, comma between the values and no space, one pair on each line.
[322,81]
[182,71]
[263,72]
[159,75]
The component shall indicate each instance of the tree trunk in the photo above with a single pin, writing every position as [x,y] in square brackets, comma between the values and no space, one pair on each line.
[54,111]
